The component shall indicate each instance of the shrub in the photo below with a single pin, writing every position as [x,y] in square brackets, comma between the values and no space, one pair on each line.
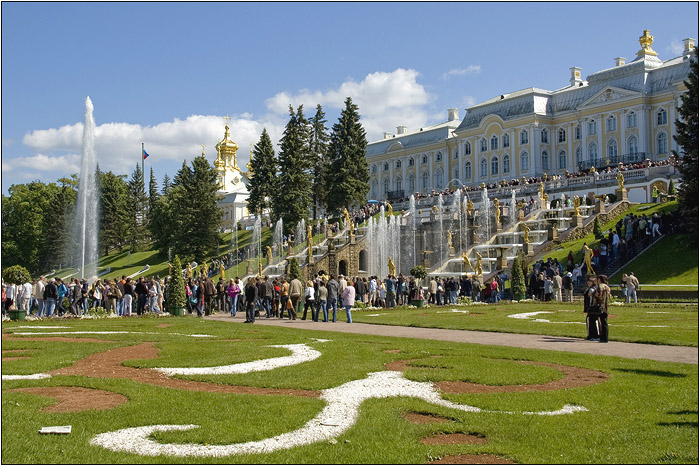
[517,281]
[294,270]
[176,297]
[16,274]
[419,272]
[597,229]
[612,198]
[672,188]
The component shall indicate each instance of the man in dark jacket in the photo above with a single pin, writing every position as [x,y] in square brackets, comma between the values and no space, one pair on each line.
[142,292]
[209,293]
[269,290]
[51,296]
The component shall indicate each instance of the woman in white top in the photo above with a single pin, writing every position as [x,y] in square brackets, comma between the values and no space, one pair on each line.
[309,300]
[348,296]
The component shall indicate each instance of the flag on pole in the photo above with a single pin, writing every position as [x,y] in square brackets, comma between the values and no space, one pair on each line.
[144,153]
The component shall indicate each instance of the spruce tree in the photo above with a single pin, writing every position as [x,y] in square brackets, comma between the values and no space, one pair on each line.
[318,151]
[176,297]
[348,180]
[166,185]
[264,178]
[153,193]
[517,280]
[115,223]
[292,198]
[687,138]
[138,211]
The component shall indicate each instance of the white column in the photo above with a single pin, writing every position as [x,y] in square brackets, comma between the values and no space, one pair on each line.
[404,181]
[391,175]
[513,173]
[599,129]
[535,150]
[571,157]
[622,150]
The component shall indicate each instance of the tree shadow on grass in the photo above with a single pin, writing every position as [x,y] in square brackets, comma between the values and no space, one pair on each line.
[651,372]
[678,424]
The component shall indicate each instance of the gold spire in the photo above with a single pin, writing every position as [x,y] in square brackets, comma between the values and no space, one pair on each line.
[645,40]
[226,149]
[203,146]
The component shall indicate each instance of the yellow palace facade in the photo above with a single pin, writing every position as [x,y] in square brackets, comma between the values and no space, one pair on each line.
[623,114]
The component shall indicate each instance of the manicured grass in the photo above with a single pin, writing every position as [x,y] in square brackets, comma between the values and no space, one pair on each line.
[677,324]
[645,412]
[669,262]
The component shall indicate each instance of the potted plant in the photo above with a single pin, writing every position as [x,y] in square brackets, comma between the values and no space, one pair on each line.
[17,275]
[176,297]
[419,273]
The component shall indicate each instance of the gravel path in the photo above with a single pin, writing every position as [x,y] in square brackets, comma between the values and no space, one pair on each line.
[683,354]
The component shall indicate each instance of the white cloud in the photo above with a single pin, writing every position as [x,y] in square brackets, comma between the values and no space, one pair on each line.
[69,163]
[471,69]
[118,145]
[468,101]
[675,48]
[385,100]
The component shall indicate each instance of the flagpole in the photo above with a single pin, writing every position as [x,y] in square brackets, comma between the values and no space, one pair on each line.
[143,173]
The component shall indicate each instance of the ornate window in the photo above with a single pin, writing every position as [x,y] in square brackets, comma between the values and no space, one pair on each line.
[411,162]
[632,146]
[399,184]
[593,152]
[484,147]
[544,136]
[456,155]
[611,123]
[494,142]
[662,143]
[661,117]
[579,157]
[438,179]
[524,161]
[612,149]
[468,171]
[398,163]
[494,165]
[506,140]
[631,120]
[438,157]
[578,132]
[592,127]
[386,186]
[374,169]
[561,135]
[562,160]
[424,160]
[467,148]
[411,184]
[506,164]
[523,137]
[484,168]
[455,173]
[386,166]
[545,160]
[425,180]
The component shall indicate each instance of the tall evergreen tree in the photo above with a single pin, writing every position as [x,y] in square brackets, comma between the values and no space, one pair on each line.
[687,138]
[166,185]
[115,219]
[318,151]
[348,180]
[138,211]
[153,196]
[264,178]
[292,199]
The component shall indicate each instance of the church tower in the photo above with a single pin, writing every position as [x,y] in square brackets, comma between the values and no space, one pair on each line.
[227,170]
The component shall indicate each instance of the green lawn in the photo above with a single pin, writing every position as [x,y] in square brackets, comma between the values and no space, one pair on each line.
[667,324]
[644,412]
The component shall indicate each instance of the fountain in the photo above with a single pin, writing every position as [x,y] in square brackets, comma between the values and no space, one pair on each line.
[440,240]
[412,219]
[278,238]
[512,210]
[484,217]
[257,239]
[86,212]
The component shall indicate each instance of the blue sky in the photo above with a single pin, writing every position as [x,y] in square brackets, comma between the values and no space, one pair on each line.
[166,73]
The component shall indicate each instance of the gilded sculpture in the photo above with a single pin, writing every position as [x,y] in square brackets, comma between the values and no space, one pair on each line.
[587,257]
[391,209]
[470,207]
[188,273]
[268,250]
[526,233]
[205,269]
[477,267]
[449,240]
[621,181]
[577,204]
[392,267]
[222,272]
[467,264]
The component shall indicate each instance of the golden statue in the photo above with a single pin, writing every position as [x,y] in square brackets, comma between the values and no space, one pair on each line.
[520,204]
[526,233]
[309,242]
[524,180]
[587,256]
[467,264]
[497,210]
[390,209]
[577,204]
[268,250]
[435,209]
[205,269]
[470,207]
[645,41]
[541,191]
[545,197]
[352,228]
[477,268]
[621,181]
[592,170]
[188,274]
[222,272]
[347,217]
[449,240]
[260,275]
[392,267]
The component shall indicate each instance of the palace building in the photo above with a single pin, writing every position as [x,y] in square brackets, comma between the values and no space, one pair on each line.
[622,114]
[233,183]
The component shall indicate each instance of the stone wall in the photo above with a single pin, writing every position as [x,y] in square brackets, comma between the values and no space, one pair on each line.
[342,259]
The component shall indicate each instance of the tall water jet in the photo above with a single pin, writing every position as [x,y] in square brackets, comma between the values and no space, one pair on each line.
[412,226]
[257,238]
[456,223]
[484,217]
[513,209]
[278,238]
[300,233]
[441,238]
[86,212]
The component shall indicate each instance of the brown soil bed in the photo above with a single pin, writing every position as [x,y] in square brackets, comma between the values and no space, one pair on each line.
[14,351]
[108,364]
[15,358]
[73,399]
[472,459]
[392,351]
[418,418]
[453,439]
[572,377]
[164,325]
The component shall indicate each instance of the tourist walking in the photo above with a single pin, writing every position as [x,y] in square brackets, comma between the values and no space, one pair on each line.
[591,309]
[568,286]
[284,298]
[602,297]
[322,300]
[296,288]
[309,301]
[632,287]
[128,297]
[39,295]
[556,286]
[348,296]
[251,297]
[332,287]
[233,290]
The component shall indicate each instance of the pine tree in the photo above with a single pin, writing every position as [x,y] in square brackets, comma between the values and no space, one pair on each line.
[264,178]
[318,151]
[348,180]
[138,211]
[687,138]
[176,298]
[517,280]
[294,270]
[115,221]
[292,199]
[597,229]
[166,185]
